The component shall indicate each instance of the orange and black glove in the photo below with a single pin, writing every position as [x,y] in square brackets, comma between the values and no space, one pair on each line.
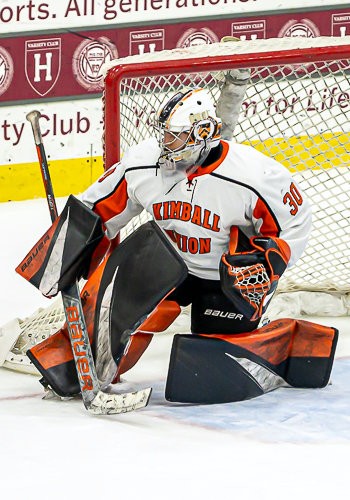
[247,277]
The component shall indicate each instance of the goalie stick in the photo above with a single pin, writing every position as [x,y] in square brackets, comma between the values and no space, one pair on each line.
[95,400]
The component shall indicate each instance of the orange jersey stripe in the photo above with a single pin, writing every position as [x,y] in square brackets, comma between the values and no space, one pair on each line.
[114,203]
[269,225]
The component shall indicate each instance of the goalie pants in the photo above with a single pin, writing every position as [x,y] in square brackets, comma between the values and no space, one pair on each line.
[212,311]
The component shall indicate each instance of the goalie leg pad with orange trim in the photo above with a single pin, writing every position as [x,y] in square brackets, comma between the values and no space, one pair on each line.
[117,300]
[211,369]
[161,318]
[53,357]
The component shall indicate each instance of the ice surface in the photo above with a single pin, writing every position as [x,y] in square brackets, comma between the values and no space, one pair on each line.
[289,444]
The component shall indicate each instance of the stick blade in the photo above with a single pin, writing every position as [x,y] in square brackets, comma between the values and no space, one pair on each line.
[108,404]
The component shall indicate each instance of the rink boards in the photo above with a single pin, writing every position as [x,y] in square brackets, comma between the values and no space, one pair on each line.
[273,119]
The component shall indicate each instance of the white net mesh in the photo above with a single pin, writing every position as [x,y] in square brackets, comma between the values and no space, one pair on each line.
[39,326]
[252,282]
[31,331]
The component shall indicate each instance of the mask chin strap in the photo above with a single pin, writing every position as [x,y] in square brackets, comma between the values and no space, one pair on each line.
[205,149]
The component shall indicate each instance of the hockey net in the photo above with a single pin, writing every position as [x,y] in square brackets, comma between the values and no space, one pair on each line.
[296,110]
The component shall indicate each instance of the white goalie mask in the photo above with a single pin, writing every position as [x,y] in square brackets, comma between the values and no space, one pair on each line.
[188,129]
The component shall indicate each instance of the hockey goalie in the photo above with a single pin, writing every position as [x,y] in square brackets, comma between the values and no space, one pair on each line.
[228,221]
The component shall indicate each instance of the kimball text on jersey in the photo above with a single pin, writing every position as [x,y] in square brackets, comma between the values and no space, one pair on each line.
[186,212]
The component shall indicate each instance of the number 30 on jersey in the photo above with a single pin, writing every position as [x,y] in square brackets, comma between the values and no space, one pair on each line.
[293,198]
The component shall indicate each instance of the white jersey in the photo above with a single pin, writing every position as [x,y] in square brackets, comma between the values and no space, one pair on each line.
[242,188]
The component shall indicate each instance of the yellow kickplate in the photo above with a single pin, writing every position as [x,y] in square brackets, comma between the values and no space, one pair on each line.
[23,181]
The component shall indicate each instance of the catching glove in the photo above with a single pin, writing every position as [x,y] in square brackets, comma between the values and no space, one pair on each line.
[248,277]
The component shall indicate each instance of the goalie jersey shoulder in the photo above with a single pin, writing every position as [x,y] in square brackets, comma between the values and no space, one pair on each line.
[266,179]
[145,153]
[137,157]
[252,168]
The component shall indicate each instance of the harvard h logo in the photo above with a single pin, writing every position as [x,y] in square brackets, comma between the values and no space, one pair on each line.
[42,63]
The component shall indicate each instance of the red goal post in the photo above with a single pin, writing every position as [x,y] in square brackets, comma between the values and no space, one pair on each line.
[296,110]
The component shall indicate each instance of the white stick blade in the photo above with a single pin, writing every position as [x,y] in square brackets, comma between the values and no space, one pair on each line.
[108,404]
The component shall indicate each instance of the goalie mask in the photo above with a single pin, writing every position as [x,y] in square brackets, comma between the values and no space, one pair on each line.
[188,129]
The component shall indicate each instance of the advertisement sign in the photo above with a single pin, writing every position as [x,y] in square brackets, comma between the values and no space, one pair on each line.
[72,135]
[69,64]
[18,16]
[75,128]
[42,63]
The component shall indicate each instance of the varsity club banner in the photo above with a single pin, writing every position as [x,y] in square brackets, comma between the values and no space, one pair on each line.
[69,64]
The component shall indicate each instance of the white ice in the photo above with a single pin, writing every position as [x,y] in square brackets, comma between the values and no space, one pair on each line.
[289,444]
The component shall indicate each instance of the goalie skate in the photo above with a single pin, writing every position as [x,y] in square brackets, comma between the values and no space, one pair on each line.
[19,335]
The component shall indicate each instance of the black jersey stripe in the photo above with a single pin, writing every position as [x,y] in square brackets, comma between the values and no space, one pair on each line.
[108,195]
[222,177]
[120,181]
[145,167]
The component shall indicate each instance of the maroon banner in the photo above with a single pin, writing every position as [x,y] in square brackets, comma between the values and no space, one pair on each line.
[69,64]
